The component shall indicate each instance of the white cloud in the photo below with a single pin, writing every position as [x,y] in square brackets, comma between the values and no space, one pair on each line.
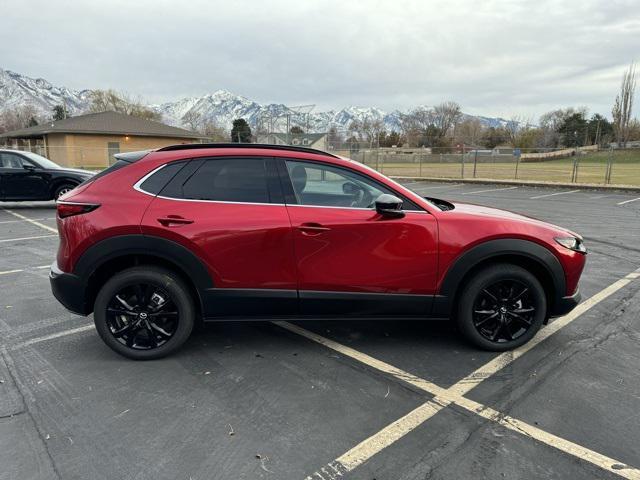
[494,57]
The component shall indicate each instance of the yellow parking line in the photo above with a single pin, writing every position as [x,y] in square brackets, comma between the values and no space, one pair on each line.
[389,434]
[34,222]
[454,395]
[407,377]
[6,272]
[504,359]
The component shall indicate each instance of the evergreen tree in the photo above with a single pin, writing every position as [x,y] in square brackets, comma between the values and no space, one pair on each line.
[59,113]
[241,132]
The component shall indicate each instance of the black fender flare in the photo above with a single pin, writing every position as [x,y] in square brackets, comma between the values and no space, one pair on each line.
[137,244]
[498,248]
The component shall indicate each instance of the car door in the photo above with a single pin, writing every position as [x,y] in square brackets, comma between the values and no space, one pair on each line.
[350,259]
[230,213]
[21,179]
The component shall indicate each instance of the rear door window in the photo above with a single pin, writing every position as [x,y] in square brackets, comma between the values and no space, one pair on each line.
[243,180]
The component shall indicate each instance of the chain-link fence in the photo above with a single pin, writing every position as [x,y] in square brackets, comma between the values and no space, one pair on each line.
[576,165]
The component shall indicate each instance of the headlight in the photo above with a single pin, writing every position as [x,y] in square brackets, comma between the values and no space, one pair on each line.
[572,243]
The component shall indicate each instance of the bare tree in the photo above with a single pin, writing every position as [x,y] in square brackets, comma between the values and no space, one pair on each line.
[430,126]
[446,116]
[623,106]
[193,120]
[19,117]
[367,129]
[214,132]
[112,101]
[470,131]
[551,123]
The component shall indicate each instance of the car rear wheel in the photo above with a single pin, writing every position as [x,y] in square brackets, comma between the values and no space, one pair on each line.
[501,307]
[62,189]
[144,313]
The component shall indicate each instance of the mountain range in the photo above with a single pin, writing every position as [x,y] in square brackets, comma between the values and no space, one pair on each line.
[220,107]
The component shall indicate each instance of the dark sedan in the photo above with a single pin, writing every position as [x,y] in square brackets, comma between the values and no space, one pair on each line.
[29,176]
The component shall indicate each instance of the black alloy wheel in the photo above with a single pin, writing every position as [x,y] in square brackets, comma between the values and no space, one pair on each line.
[144,312]
[504,311]
[501,307]
[142,316]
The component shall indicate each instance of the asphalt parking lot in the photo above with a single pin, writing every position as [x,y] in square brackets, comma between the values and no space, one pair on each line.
[357,400]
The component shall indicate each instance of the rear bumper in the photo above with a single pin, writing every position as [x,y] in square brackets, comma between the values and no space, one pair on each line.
[564,305]
[69,290]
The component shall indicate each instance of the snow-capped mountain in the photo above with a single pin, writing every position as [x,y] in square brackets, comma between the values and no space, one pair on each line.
[220,108]
[18,90]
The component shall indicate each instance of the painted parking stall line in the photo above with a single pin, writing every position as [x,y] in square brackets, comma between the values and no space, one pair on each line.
[3,222]
[454,395]
[436,187]
[489,190]
[504,359]
[629,201]
[7,240]
[553,194]
[33,222]
[53,336]
[18,270]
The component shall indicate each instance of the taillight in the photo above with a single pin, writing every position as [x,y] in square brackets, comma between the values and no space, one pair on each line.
[68,209]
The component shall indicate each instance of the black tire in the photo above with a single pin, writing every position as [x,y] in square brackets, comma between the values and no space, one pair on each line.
[499,299]
[142,339]
[62,189]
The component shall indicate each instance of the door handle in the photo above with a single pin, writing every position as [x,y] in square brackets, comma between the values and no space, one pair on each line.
[312,228]
[170,220]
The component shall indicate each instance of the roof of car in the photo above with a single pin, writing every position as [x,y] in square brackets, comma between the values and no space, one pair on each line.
[264,146]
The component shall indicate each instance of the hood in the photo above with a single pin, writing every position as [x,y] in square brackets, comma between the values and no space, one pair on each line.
[482,211]
[78,170]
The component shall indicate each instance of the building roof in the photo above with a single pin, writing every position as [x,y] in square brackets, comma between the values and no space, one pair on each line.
[105,123]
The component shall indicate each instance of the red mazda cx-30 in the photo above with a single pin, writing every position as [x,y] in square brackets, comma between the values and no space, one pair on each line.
[162,239]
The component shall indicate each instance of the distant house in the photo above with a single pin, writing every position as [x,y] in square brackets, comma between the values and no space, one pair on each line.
[92,140]
[309,140]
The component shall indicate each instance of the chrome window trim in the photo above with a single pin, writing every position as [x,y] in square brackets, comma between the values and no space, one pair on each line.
[137,187]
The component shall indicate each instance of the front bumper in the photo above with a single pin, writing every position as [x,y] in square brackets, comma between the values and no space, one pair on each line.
[564,305]
[69,290]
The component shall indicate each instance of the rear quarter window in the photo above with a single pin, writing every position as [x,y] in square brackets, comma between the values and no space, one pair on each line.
[158,179]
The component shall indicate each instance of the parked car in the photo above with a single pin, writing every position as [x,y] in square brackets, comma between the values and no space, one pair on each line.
[161,240]
[29,176]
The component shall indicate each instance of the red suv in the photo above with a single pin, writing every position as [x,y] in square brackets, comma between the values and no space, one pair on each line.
[165,238]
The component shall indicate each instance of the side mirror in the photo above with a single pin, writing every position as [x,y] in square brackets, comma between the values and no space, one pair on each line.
[389,206]
[28,166]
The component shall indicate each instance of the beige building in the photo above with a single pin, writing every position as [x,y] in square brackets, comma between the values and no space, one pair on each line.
[90,141]
[309,140]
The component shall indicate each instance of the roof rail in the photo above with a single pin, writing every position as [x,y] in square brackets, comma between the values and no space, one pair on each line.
[195,146]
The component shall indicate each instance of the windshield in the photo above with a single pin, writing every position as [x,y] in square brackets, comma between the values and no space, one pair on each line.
[40,160]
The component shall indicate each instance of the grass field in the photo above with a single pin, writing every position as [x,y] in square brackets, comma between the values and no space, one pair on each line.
[591,168]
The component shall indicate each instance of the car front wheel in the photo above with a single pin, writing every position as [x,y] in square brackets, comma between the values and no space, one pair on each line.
[501,307]
[144,312]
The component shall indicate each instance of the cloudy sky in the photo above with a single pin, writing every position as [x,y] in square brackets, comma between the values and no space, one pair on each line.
[494,57]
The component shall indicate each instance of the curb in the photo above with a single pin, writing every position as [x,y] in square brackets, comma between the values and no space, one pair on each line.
[524,183]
